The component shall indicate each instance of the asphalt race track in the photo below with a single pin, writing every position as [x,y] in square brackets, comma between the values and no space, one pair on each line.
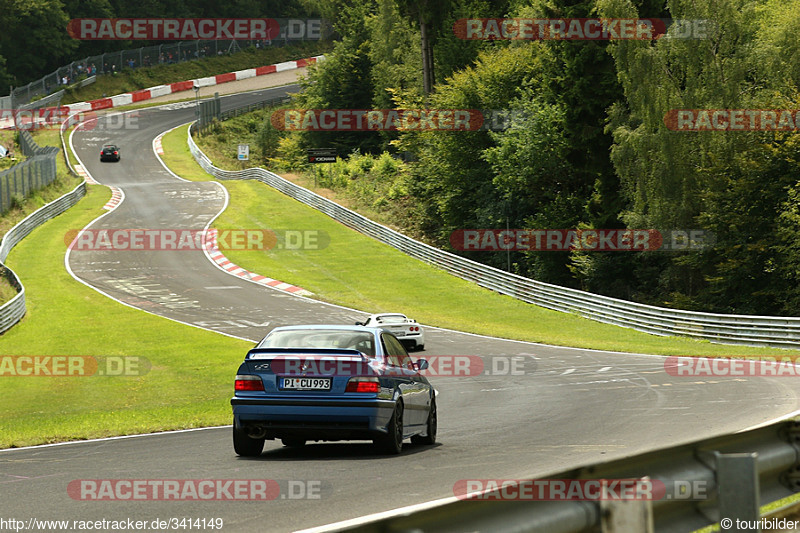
[569,407]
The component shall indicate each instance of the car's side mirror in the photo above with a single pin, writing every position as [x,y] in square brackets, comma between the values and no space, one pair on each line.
[422,364]
[359,323]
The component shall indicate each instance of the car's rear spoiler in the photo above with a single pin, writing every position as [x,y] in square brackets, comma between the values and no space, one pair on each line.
[255,352]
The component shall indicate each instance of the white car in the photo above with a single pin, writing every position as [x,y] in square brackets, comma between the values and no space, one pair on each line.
[405,329]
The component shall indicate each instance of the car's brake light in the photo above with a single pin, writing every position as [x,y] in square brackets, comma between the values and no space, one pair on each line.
[116,153]
[248,383]
[363,385]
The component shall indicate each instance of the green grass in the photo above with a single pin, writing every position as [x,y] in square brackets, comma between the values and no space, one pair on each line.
[359,272]
[142,78]
[64,183]
[191,376]
[8,139]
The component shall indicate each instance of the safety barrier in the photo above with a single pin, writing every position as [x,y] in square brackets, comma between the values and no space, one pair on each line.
[725,328]
[684,488]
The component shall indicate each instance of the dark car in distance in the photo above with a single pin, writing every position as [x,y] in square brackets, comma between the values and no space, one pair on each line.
[110,152]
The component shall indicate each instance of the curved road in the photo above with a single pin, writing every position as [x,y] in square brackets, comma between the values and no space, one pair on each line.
[570,407]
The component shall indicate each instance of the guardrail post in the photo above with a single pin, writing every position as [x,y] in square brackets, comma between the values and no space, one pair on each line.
[621,516]
[738,488]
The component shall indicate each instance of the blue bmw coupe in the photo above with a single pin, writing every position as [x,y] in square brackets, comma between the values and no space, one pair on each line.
[331,382]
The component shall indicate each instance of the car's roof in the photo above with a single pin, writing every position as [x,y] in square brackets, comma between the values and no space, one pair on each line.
[109,146]
[377,315]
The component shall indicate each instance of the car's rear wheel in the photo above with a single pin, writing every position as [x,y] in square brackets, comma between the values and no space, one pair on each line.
[293,443]
[245,445]
[432,426]
[392,442]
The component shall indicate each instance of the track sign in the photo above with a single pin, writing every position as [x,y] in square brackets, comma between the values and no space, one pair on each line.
[244,152]
[321,155]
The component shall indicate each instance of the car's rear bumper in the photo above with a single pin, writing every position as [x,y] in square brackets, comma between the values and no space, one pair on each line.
[313,418]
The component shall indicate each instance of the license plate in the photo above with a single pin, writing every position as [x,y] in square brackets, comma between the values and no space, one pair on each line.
[306,383]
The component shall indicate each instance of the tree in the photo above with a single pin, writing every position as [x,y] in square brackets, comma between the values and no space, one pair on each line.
[343,81]
[429,14]
[29,28]
[732,183]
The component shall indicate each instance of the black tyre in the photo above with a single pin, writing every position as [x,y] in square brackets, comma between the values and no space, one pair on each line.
[245,445]
[433,423]
[293,443]
[392,442]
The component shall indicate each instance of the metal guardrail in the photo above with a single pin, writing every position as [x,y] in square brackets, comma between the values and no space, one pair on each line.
[13,311]
[703,482]
[783,332]
[33,174]
[51,100]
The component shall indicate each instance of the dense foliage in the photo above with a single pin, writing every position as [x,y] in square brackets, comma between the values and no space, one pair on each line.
[590,147]
[34,39]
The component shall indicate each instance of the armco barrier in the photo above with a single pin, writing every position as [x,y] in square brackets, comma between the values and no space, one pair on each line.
[781,332]
[726,477]
[13,311]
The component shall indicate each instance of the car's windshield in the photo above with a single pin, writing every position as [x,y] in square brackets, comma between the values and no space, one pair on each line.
[391,319]
[321,338]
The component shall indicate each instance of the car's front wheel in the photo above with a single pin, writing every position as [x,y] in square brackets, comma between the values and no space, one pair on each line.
[392,442]
[245,445]
[432,426]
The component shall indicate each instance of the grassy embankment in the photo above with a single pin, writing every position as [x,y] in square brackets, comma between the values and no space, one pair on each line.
[357,271]
[190,370]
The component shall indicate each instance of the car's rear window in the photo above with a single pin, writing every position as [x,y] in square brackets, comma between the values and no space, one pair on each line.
[321,338]
[391,319]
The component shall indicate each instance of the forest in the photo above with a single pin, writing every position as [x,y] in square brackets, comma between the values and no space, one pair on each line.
[595,142]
